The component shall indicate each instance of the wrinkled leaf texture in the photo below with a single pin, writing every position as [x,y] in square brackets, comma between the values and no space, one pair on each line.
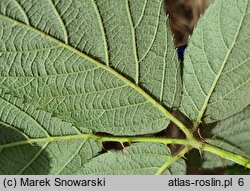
[216,81]
[231,134]
[73,67]
[66,68]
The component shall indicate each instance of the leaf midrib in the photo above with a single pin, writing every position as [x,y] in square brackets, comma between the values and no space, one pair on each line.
[217,77]
[106,68]
[87,136]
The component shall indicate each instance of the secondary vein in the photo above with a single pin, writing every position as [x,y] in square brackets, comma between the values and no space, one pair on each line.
[110,70]
[105,42]
[137,67]
[61,22]
[217,77]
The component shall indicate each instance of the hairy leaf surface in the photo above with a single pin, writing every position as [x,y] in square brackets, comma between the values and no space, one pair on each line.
[231,134]
[213,161]
[86,61]
[140,158]
[27,146]
[33,142]
[217,63]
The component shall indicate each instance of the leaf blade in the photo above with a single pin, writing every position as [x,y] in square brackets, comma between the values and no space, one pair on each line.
[26,140]
[231,134]
[139,158]
[59,85]
[210,68]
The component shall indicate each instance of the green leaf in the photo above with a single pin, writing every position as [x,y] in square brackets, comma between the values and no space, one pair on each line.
[140,158]
[89,62]
[70,68]
[28,144]
[213,161]
[217,63]
[33,142]
[235,130]
[231,134]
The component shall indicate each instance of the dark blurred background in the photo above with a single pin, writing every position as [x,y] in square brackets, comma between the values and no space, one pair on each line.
[184,15]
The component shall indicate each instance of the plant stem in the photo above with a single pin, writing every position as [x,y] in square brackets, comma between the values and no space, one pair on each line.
[227,155]
[98,138]
[172,159]
[130,139]
[220,152]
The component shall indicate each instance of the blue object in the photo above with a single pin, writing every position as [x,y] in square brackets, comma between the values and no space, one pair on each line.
[181,51]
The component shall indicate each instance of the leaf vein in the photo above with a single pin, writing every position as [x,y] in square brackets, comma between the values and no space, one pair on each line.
[66,38]
[102,31]
[23,12]
[73,155]
[230,92]
[15,129]
[33,159]
[25,113]
[142,14]
[155,32]
[137,67]
[204,106]
[108,69]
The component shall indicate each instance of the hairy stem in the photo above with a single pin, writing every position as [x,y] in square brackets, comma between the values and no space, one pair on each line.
[189,143]
[98,138]
[227,155]
[172,159]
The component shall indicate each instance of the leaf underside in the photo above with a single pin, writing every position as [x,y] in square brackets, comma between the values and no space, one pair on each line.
[74,67]
[63,57]
[216,82]
[129,161]
[69,69]
[69,155]
[231,134]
